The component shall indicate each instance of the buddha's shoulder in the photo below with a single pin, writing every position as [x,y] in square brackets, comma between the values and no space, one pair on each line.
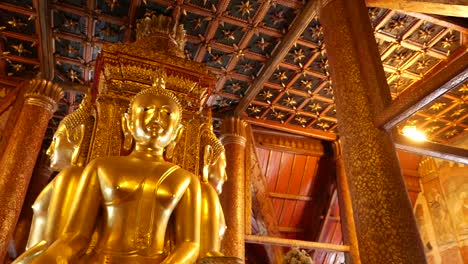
[183,172]
[208,190]
[115,160]
[70,171]
[68,174]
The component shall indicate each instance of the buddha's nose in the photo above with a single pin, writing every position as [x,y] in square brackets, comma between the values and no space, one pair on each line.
[50,150]
[156,115]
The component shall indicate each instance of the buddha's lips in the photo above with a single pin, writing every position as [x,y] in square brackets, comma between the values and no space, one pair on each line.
[155,126]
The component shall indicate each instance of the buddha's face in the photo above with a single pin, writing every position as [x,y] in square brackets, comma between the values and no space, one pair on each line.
[217,173]
[155,120]
[60,150]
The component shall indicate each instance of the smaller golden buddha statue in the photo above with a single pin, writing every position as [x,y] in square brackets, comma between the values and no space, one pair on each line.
[213,167]
[51,208]
[129,200]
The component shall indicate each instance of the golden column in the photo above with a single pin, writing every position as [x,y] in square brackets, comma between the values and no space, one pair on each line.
[385,225]
[233,137]
[21,152]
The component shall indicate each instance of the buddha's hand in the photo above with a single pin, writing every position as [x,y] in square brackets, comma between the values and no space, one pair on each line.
[46,259]
[53,256]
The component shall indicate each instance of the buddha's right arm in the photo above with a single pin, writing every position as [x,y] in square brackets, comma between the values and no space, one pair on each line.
[80,226]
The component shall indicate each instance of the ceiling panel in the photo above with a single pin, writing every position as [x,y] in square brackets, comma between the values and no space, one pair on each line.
[236,39]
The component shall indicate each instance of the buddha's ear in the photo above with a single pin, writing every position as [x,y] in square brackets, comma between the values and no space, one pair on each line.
[169,151]
[207,158]
[126,126]
[180,130]
[207,155]
[75,135]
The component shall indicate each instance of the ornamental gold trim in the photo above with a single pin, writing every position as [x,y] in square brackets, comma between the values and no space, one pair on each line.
[42,101]
[43,93]
[227,139]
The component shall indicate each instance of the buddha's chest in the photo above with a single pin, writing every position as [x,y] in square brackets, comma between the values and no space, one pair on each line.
[147,189]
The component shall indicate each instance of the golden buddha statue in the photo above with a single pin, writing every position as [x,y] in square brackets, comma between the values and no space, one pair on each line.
[129,200]
[51,208]
[213,224]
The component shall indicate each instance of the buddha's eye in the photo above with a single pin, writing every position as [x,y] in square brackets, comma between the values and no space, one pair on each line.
[166,112]
[148,110]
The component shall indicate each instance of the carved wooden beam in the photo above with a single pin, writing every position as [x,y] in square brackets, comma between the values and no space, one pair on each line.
[455,23]
[263,240]
[456,8]
[431,149]
[45,40]
[309,132]
[301,22]
[288,196]
[88,49]
[17,9]
[445,76]
[134,4]
[32,61]
[11,80]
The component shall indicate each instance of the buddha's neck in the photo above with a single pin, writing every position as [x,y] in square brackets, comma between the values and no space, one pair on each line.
[144,152]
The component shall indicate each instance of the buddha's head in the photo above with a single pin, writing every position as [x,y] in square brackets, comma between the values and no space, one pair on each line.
[154,118]
[65,147]
[214,160]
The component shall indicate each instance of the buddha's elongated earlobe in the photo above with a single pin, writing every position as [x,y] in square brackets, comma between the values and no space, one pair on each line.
[169,150]
[76,138]
[207,161]
[126,126]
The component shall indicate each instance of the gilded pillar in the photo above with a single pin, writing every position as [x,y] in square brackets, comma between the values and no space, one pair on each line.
[233,137]
[21,153]
[385,224]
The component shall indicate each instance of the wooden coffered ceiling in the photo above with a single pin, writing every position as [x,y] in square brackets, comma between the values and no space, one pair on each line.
[270,56]
[271,61]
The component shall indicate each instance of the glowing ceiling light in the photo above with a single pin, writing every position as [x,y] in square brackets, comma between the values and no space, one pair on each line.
[413,133]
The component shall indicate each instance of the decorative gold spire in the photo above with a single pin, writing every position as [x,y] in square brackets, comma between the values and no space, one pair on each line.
[162,27]
[160,77]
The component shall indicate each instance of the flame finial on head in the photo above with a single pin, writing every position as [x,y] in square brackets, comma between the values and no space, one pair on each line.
[163,27]
[160,77]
